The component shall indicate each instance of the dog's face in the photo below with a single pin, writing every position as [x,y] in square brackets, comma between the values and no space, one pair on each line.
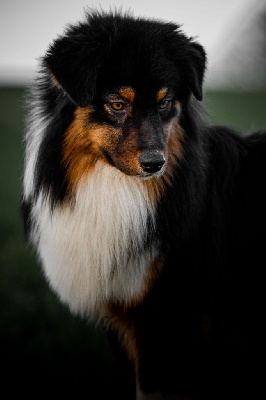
[129,80]
[126,128]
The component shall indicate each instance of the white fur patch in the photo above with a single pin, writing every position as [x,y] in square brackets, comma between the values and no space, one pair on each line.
[94,251]
[37,125]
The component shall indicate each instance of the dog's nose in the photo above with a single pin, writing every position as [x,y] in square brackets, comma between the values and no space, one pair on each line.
[151,161]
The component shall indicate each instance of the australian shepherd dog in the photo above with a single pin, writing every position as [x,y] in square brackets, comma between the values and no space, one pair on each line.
[144,216]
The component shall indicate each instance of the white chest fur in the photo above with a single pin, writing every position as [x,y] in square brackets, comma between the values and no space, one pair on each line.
[94,251]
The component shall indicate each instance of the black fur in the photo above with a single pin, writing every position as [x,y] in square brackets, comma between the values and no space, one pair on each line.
[85,60]
[199,329]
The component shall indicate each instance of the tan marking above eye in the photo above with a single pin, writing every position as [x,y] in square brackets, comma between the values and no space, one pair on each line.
[161,94]
[127,93]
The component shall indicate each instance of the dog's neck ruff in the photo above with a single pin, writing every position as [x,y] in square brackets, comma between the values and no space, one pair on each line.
[96,250]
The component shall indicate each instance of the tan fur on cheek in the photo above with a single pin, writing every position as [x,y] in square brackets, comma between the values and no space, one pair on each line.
[82,145]
[127,154]
[175,139]
[85,142]
[124,151]
[78,154]
[175,147]
[156,186]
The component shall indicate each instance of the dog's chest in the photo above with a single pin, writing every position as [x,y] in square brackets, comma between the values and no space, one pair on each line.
[96,251]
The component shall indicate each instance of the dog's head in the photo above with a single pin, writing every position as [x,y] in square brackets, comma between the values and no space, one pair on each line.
[128,78]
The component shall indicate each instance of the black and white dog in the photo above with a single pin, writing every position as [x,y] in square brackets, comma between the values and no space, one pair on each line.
[144,217]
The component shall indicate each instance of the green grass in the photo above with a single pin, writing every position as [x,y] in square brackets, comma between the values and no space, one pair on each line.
[241,110]
[40,341]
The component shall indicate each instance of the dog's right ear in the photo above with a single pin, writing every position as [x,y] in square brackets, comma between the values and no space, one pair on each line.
[72,62]
[197,69]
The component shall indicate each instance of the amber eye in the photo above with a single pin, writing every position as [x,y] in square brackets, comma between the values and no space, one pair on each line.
[164,104]
[117,105]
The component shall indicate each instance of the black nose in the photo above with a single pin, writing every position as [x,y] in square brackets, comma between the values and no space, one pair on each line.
[151,161]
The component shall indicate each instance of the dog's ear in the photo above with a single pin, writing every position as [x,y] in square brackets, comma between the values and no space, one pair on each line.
[72,62]
[197,60]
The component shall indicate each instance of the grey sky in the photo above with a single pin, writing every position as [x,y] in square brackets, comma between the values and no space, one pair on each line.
[28,26]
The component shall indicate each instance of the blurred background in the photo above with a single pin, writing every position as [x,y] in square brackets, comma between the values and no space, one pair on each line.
[43,346]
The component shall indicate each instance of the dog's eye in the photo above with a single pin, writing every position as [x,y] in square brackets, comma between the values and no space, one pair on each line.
[117,105]
[164,104]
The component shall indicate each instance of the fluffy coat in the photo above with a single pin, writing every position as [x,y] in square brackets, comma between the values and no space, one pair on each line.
[145,217]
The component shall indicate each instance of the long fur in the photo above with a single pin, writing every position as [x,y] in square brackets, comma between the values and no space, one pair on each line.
[93,251]
[148,219]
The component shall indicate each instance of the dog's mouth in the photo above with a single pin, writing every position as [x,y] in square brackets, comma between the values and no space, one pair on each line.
[152,162]
[148,175]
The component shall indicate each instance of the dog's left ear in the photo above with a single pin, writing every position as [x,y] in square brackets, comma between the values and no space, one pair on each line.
[197,60]
[72,63]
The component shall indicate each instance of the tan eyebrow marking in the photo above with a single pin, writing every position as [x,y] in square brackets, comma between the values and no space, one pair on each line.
[161,94]
[127,93]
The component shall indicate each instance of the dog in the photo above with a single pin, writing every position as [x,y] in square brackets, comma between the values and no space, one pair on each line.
[144,216]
